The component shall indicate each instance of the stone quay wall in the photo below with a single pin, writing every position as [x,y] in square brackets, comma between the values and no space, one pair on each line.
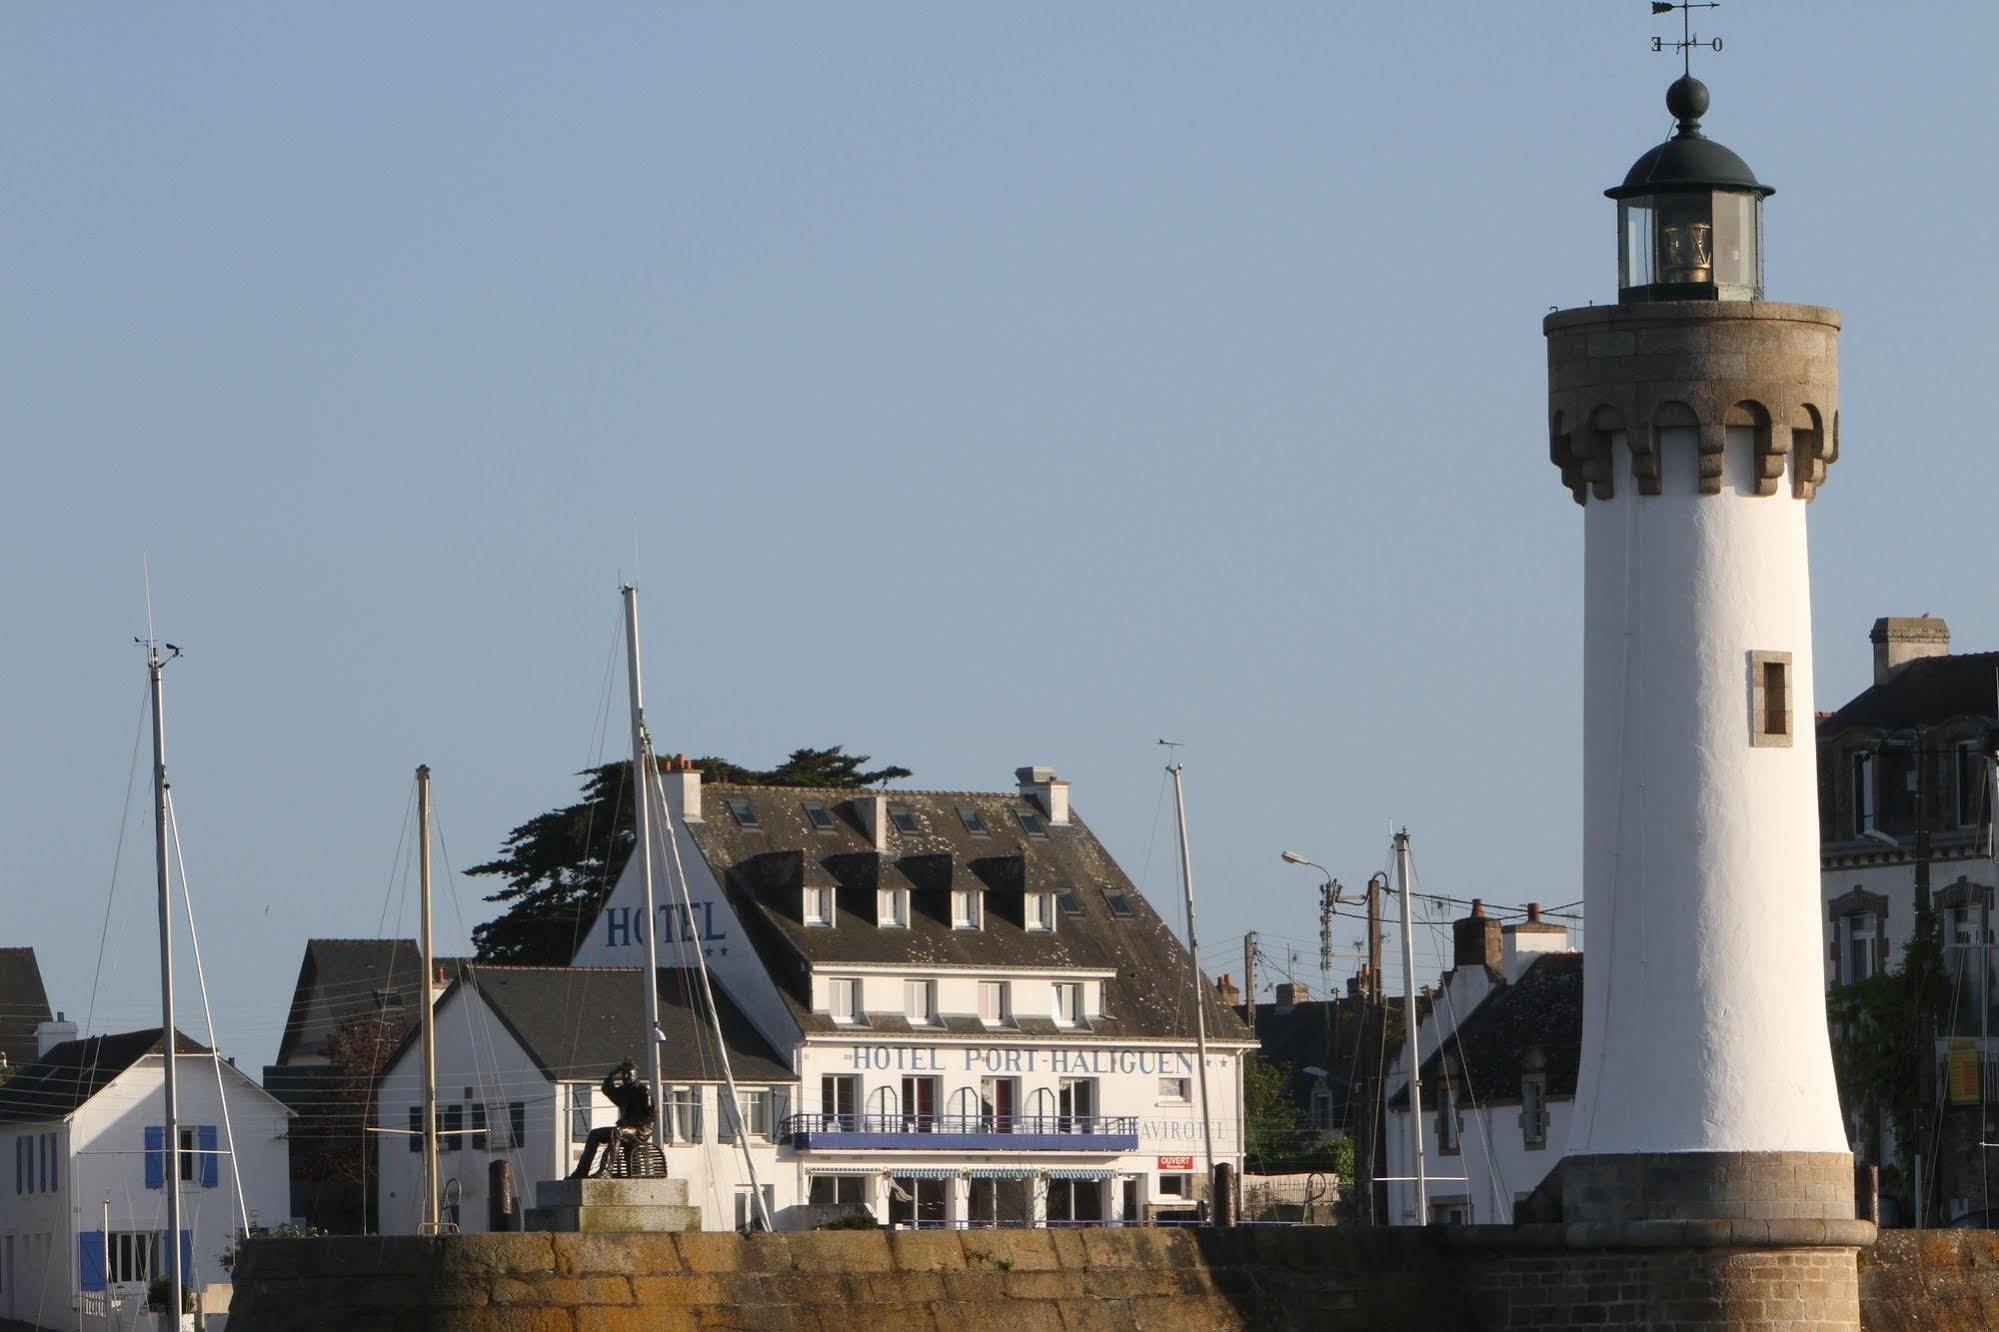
[1030,1280]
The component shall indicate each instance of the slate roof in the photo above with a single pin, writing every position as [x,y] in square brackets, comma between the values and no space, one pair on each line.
[1542,1011]
[348,975]
[1336,1035]
[581,1022]
[1925,692]
[75,1071]
[24,1005]
[763,870]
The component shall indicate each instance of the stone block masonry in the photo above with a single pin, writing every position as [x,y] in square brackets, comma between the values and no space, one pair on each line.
[1022,1280]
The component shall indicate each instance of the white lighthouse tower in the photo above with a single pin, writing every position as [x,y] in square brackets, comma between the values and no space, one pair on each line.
[1693,421]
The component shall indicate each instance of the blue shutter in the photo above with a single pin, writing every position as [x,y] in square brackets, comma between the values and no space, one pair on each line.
[211,1164]
[187,1260]
[90,1250]
[156,1156]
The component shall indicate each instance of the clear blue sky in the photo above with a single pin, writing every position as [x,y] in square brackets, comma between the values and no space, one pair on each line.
[970,384]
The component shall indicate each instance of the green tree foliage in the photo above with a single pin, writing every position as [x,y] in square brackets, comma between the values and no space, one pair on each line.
[1878,1048]
[1272,1134]
[559,867]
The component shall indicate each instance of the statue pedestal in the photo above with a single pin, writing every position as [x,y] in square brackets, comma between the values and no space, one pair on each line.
[612,1205]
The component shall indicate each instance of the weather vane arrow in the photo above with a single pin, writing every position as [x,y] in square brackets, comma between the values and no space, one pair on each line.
[1689,39]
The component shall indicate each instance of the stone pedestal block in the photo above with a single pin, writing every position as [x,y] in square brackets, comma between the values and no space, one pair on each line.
[612,1206]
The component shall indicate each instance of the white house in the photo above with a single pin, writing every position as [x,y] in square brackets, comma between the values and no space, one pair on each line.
[1500,1048]
[520,1054]
[82,1227]
[988,1023]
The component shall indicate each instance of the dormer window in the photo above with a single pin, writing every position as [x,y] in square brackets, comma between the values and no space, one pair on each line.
[1031,823]
[818,906]
[975,822]
[904,819]
[968,909]
[892,908]
[1038,911]
[843,998]
[1068,1006]
[819,817]
[743,812]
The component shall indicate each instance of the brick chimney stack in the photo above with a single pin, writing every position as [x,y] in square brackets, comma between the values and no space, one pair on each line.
[1901,639]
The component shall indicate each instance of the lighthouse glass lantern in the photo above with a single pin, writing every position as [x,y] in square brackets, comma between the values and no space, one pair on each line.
[1690,216]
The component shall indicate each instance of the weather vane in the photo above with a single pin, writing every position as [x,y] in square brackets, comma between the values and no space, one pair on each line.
[1689,39]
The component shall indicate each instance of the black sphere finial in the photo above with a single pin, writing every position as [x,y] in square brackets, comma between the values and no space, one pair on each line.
[1687,99]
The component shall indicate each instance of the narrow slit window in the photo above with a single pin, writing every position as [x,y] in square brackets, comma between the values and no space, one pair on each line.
[1770,697]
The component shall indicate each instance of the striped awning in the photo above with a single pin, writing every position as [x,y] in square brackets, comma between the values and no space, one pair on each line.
[812,1171]
[922,1172]
[1004,1172]
[1079,1172]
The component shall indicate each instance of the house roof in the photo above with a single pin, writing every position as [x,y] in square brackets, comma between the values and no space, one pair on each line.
[1349,1038]
[1925,692]
[24,1005]
[350,977]
[1537,1017]
[581,1022]
[764,868]
[75,1071]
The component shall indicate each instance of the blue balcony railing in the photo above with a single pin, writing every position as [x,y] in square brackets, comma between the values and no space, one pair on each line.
[977,1133]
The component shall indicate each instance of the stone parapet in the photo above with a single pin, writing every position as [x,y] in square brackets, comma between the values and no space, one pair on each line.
[1705,365]
[646,1206]
[1707,1186]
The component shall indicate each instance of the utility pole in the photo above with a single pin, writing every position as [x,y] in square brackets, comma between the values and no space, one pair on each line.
[426,1018]
[1249,976]
[1375,886]
[169,1037]
[1409,1021]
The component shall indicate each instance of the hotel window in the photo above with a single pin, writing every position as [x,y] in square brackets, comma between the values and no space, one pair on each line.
[995,1003]
[1176,1187]
[134,1256]
[1038,911]
[756,1113]
[838,1191]
[819,906]
[904,819]
[843,998]
[1068,1010]
[919,1002]
[892,908]
[683,1114]
[968,910]
[1859,946]
[1176,1089]
[1770,699]
[840,1099]
[1076,1104]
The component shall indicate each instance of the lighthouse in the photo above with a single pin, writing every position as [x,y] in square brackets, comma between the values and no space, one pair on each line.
[1693,421]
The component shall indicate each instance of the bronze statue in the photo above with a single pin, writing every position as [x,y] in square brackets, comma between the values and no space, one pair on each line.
[633,1097]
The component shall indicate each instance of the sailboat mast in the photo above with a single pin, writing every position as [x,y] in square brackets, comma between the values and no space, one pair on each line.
[642,766]
[1409,1024]
[1194,971]
[169,1041]
[427,1019]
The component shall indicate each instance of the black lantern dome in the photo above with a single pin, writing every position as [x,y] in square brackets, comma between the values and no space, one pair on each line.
[1689,215]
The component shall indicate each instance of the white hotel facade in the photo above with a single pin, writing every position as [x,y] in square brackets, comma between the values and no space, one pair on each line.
[942,1008]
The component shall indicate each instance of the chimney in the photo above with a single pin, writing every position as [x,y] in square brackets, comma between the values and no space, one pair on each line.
[1476,941]
[1528,939]
[1226,990]
[682,783]
[1290,994]
[438,985]
[872,810]
[51,1034]
[1042,786]
[1901,639]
